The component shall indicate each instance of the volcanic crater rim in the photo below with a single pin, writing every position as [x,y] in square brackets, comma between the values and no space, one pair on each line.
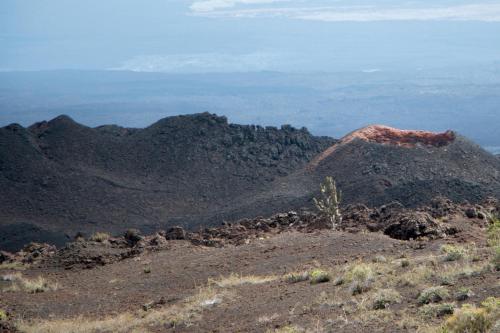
[403,138]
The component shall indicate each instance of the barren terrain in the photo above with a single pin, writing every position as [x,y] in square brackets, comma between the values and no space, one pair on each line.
[374,283]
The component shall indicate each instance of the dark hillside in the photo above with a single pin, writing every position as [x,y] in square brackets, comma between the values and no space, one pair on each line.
[66,177]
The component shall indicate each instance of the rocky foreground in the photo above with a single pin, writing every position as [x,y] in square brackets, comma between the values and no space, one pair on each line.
[386,269]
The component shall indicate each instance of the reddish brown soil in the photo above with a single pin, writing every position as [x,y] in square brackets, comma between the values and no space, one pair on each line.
[391,136]
[403,138]
[178,271]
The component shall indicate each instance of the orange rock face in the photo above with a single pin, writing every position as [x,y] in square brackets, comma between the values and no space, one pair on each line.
[403,138]
[390,136]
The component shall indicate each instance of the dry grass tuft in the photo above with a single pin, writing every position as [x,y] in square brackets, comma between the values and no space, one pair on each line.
[185,313]
[296,277]
[33,286]
[235,280]
[472,319]
[100,237]
[385,297]
[360,277]
[15,266]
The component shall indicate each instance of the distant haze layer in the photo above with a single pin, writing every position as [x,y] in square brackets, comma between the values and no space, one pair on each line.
[330,104]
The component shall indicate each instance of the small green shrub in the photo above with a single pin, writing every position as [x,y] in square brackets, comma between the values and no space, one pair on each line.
[405,263]
[147,270]
[3,315]
[495,261]
[385,297]
[494,232]
[447,280]
[492,306]
[463,294]
[361,277]
[437,310]
[380,259]
[296,277]
[432,295]
[453,252]
[319,276]
[100,237]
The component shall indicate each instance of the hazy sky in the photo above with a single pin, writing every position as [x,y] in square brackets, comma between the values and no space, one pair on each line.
[247,35]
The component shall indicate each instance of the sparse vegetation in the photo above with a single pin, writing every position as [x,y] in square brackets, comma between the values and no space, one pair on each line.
[405,263]
[437,310]
[296,277]
[468,319]
[377,293]
[237,280]
[319,276]
[17,266]
[453,252]
[495,260]
[360,277]
[463,294]
[33,286]
[3,315]
[100,237]
[385,297]
[493,230]
[329,204]
[189,310]
[433,295]
[287,329]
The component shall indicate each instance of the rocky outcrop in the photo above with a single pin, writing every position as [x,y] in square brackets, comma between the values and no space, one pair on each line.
[61,176]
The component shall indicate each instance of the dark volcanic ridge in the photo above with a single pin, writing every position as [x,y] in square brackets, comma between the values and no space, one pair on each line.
[59,177]
[441,219]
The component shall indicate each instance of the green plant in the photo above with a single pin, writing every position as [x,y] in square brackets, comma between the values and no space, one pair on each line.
[495,261]
[453,252]
[463,294]
[329,205]
[147,270]
[493,232]
[405,263]
[296,277]
[3,315]
[99,237]
[446,280]
[437,310]
[361,277]
[432,295]
[468,319]
[492,306]
[383,298]
[319,276]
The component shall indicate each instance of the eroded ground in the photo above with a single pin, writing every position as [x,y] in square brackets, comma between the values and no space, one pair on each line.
[374,284]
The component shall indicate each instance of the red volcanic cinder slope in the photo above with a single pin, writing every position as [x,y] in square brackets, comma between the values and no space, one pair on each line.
[392,136]
[378,164]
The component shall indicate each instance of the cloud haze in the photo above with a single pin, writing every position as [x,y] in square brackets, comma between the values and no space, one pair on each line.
[210,5]
[485,12]
[199,63]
